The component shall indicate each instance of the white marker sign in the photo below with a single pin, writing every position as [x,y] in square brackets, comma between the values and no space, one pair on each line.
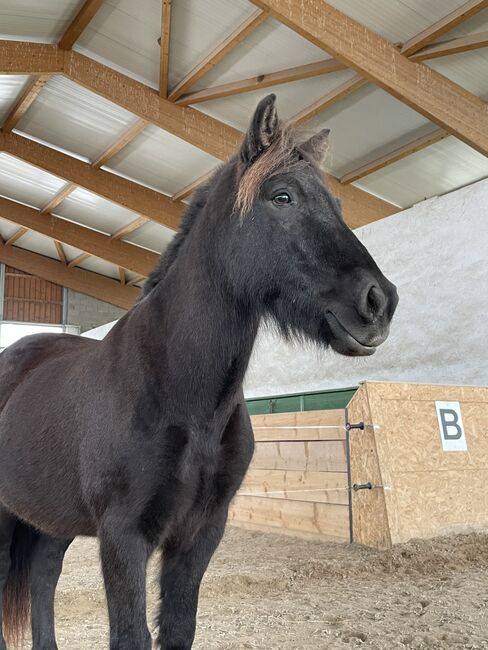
[451,426]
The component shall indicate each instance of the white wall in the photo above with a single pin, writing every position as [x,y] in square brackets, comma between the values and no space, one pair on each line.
[437,255]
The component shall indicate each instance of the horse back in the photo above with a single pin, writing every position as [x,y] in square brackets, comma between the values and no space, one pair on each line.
[30,352]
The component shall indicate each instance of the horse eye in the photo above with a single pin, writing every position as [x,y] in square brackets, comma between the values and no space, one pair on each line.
[282,199]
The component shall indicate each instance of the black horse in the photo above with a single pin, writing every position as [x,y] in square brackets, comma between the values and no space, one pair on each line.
[142,439]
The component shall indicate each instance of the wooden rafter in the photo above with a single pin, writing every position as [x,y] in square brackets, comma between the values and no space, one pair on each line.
[131,257]
[164,45]
[136,280]
[76,261]
[123,140]
[122,275]
[328,100]
[447,104]
[58,198]
[446,24]
[16,236]
[128,228]
[446,48]
[398,153]
[135,197]
[92,284]
[211,60]
[182,194]
[60,251]
[22,105]
[79,23]
[206,133]
[263,81]
[453,46]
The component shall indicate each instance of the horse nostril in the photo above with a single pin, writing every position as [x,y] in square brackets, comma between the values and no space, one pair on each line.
[376,301]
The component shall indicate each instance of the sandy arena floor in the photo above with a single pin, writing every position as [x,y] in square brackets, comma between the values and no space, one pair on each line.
[271,592]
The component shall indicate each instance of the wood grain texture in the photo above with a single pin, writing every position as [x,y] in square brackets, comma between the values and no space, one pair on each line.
[302,426]
[92,284]
[417,144]
[79,23]
[25,101]
[130,257]
[447,104]
[263,81]
[166,7]
[142,200]
[444,25]
[218,53]
[321,520]
[431,490]
[320,487]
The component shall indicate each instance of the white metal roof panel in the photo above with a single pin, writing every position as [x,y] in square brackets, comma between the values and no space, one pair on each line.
[7,229]
[440,168]
[396,20]
[10,88]
[469,70]
[36,243]
[100,266]
[292,98]
[152,236]
[161,160]
[270,48]
[126,32]
[36,20]
[71,252]
[75,119]
[94,211]
[25,183]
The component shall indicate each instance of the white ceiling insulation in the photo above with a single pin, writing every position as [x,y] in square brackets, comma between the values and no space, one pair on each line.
[123,34]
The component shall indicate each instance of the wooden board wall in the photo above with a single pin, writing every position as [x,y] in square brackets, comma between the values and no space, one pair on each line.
[298,482]
[31,299]
[429,491]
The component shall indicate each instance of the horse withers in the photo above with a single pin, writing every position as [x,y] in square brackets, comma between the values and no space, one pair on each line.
[142,439]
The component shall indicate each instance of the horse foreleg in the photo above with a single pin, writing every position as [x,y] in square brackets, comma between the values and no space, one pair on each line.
[7,525]
[183,569]
[124,558]
[47,563]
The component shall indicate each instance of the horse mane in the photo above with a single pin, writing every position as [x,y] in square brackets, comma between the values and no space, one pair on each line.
[275,158]
[166,260]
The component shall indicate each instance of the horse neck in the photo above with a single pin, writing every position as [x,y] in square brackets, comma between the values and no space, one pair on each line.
[191,337]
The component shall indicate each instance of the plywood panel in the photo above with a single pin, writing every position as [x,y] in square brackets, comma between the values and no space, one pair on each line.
[324,520]
[369,516]
[322,487]
[431,491]
[307,425]
[321,456]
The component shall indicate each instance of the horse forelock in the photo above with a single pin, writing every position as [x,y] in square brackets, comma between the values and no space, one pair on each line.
[275,158]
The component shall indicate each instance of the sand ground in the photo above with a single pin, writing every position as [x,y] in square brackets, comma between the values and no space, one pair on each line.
[272,592]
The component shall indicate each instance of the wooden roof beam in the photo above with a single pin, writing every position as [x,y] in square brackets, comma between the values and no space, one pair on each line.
[453,46]
[135,197]
[164,44]
[440,100]
[131,257]
[92,284]
[79,23]
[26,99]
[442,26]
[122,141]
[211,60]
[328,100]
[417,144]
[446,48]
[263,81]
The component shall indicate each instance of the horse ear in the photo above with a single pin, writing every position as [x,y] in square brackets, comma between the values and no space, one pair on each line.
[317,146]
[262,131]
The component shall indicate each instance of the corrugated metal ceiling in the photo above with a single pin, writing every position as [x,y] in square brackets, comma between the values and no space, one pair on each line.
[124,35]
